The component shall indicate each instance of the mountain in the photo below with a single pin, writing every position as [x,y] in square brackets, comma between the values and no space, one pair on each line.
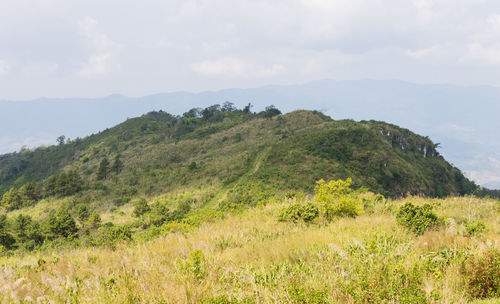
[241,151]
[463,119]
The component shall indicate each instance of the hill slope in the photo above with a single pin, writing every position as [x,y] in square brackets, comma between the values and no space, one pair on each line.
[161,152]
[368,259]
[459,117]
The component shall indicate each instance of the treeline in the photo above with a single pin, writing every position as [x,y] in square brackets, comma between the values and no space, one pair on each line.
[61,185]
[77,225]
[60,227]
[216,111]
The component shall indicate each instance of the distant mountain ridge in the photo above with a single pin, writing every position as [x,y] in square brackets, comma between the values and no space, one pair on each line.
[463,119]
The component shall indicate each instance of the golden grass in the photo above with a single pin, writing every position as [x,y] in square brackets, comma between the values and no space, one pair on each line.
[253,256]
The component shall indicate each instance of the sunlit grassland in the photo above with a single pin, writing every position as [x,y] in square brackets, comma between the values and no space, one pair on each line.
[251,257]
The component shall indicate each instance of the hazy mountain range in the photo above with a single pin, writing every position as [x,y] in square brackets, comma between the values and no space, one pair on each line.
[463,119]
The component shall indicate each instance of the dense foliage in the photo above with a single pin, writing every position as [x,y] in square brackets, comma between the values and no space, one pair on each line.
[417,218]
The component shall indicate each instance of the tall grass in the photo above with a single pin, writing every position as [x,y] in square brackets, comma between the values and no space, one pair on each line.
[251,257]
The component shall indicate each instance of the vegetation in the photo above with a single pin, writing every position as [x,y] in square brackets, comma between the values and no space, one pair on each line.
[417,218]
[367,259]
[159,152]
[172,209]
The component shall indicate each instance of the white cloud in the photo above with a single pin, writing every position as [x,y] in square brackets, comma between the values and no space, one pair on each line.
[103,49]
[484,177]
[182,44]
[425,52]
[4,67]
[477,52]
[96,65]
[235,67]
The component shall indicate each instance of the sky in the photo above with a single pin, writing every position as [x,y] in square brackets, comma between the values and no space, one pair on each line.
[90,48]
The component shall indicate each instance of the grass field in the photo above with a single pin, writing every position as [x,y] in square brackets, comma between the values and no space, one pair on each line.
[251,257]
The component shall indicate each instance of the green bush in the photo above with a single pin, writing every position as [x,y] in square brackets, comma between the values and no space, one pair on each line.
[110,235]
[475,227]
[296,212]
[344,206]
[482,274]
[416,218]
[141,207]
[336,198]
[196,264]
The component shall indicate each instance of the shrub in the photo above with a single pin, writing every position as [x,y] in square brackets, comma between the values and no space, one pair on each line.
[110,235]
[141,207]
[309,212]
[482,274]
[475,227]
[290,213]
[175,227]
[336,198]
[295,212]
[159,214]
[196,264]
[121,201]
[416,218]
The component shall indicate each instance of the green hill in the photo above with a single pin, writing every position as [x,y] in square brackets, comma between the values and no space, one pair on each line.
[235,148]
[185,209]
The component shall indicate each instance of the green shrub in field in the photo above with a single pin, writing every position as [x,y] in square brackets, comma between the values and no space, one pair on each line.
[110,235]
[416,218]
[336,198]
[482,274]
[475,227]
[296,212]
[141,207]
[196,264]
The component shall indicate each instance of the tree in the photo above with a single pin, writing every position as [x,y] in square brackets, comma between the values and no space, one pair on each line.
[21,225]
[94,221]
[83,213]
[193,113]
[271,111]
[50,186]
[103,171]
[117,165]
[228,107]
[141,207]
[27,231]
[11,199]
[247,108]
[211,111]
[6,239]
[30,193]
[68,183]
[61,140]
[159,214]
[61,223]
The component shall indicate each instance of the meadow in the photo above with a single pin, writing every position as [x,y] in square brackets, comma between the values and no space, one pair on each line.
[251,256]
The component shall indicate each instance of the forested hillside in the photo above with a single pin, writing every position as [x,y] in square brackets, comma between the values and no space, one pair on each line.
[158,152]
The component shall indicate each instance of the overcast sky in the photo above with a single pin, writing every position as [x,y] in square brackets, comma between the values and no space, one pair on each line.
[90,48]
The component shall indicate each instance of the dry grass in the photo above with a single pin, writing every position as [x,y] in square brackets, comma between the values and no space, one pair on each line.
[254,258]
